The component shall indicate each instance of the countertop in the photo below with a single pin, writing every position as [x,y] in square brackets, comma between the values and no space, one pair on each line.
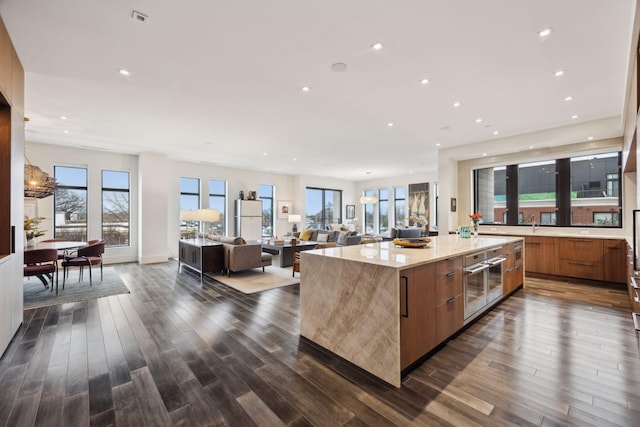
[389,255]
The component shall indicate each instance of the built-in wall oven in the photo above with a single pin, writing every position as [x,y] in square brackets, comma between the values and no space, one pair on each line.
[482,280]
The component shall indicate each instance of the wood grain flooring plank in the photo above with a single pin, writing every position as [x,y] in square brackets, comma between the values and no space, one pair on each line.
[100,398]
[76,410]
[150,400]
[24,410]
[228,406]
[202,407]
[77,374]
[184,417]
[106,418]
[126,406]
[10,380]
[258,410]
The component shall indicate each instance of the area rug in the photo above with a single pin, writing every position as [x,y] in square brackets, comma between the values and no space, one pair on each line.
[252,281]
[35,294]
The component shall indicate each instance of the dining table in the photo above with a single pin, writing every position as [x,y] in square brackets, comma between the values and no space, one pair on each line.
[59,245]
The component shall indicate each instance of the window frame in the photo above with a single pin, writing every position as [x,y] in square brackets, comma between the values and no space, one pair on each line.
[270,199]
[223,196]
[116,190]
[323,222]
[84,188]
[380,215]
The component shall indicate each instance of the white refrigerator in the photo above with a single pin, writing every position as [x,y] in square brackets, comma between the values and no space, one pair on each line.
[249,219]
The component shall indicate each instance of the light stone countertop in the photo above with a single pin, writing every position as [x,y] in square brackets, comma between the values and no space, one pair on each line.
[389,255]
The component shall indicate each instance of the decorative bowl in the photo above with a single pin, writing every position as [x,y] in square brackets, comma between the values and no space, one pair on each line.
[415,242]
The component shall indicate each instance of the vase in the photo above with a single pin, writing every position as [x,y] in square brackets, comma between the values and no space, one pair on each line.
[31,243]
[476,228]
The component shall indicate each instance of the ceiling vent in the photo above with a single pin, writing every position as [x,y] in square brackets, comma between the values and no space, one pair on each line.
[140,17]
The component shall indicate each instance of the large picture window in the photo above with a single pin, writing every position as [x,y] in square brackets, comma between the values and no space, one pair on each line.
[189,201]
[580,191]
[383,210]
[324,207]
[115,208]
[70,203]
[218,201]
[368,213]
[399,206]
[265,192]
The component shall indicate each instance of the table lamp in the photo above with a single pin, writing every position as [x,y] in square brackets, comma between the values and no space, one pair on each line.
[208,215]
[189,216]
[294,219]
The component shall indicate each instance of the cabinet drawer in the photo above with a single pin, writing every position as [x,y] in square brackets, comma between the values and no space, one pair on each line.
[448,285]
[447,266]
[585,270]
[449,318]
[580,249]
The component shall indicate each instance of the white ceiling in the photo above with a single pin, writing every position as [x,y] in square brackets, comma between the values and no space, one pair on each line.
[220,81]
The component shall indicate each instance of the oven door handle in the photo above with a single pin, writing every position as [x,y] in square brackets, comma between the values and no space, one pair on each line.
[495,261]
[476,268]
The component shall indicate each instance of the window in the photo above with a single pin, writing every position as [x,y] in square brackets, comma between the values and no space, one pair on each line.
[265,192]
[399,206]
[368,214]
[536,191]
[189,200]
[115,208]
[324,207]
[595,190]
[383,210]
[491,194]
[578,191]
[70,202]
[218,201]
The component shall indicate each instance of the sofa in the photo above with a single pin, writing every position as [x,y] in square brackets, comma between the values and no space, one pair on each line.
[340,237]
[405,233]
[239,255]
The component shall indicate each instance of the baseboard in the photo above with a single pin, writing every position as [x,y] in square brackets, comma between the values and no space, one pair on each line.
[154,259]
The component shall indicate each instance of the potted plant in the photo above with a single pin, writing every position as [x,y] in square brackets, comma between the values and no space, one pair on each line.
[31,230]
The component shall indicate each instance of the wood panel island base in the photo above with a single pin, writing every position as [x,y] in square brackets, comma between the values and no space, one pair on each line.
[383,308]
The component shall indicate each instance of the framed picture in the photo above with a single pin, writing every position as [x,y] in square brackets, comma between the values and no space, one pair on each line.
[351,211]
[454,204]
[284,209]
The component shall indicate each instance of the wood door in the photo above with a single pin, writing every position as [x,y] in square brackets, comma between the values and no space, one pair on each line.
[417,313]
[540,255]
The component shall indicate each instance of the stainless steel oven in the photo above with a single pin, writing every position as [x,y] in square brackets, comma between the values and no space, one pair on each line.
[475,283]
[494,273]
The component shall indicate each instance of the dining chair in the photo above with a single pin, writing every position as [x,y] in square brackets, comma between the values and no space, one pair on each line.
[42,263]
[88,255]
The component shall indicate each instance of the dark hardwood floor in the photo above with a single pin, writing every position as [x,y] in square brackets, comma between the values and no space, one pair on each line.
[175,353]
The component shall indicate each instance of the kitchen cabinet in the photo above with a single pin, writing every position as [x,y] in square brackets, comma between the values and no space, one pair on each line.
[615,260]
[513,270]
[417,313]
[580,257]
[540,255]
[449,299]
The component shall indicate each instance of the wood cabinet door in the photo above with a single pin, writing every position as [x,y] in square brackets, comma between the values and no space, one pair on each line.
[540,255]
[449,318]
[417,313]
[615,260]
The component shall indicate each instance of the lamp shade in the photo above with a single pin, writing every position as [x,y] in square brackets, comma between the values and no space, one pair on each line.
[368,200]
[190,215]
[201,215]
[295,218]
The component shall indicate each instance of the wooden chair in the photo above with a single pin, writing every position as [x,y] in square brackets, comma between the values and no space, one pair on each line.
[88,255]
[42,263]
[296,256]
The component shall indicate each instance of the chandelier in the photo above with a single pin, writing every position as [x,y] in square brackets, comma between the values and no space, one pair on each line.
[37,184]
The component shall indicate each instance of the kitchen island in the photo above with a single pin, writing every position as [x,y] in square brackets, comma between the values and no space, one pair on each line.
[383,307]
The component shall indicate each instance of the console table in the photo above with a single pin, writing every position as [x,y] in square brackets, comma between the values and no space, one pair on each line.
[286,251]
[201,255]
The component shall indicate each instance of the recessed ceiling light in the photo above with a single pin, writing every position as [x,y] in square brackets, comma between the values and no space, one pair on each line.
[294,159]
[456,104]
[306,88]
[338,67]
[438,144]
[390,124]
[568,98]
[63,117]
[479,120]
[575,116]
[484,154]
[544,33]
[124,72]
[495,132]
[590,138]
[530,147]
[264,154]
[377,46]
[424,81]
[65,131]
[559,73]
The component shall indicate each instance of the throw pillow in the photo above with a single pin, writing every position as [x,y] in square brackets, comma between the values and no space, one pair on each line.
[305,234]
[335,227]
[322,237]
[342,237]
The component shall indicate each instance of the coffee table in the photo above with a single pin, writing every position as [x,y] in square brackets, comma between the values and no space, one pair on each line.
[286,251]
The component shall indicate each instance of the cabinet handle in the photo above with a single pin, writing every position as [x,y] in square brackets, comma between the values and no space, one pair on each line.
[406,296]
[450,300]
[581,263]
[581,240]
[532,243]
[518,267]
[634,285]
[451,273]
